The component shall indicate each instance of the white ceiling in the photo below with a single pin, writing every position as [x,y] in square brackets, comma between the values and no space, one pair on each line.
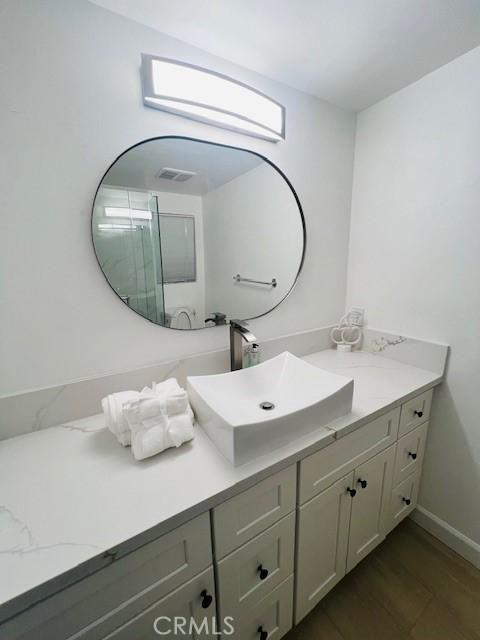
[213,165]
[349,52]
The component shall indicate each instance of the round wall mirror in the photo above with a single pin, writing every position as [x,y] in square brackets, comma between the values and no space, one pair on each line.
[191,234]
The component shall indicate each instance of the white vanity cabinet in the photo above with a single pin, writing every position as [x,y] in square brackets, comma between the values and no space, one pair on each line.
[258,559]
[350,495]
[348,516]
[340,526]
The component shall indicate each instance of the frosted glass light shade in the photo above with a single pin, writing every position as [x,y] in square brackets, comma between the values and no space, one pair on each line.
[210,97]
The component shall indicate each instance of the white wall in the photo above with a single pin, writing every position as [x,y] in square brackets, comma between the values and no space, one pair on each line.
[415,258]
[70,102]
[252,227]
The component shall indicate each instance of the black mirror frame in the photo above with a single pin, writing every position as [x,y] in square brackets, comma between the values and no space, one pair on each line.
[216,144]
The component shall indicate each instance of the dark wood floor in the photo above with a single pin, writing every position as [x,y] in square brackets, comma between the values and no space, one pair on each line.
[411,586]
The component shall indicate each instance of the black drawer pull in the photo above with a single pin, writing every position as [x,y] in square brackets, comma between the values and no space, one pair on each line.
[262,633]
[418,413]
[352,492]
[362,483]
[262,572]
[412,455]
[206,599]
[407,501]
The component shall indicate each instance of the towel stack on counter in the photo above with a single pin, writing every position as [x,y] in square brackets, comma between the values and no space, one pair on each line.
[150,420]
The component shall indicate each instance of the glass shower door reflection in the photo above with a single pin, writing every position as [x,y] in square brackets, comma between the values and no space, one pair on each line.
[130,250]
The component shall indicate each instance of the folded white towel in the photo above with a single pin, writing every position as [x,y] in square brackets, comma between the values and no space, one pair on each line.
[147,410]
[176,398]
[180,428]
[116,420]
[151,420]
[164,398]
[148,442]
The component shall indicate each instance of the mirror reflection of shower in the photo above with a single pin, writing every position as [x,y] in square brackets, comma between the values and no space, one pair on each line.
[145,253]
[128,239]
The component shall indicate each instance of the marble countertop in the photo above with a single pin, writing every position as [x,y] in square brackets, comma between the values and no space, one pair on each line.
[71,497]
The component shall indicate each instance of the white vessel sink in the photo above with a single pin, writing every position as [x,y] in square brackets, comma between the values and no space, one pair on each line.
[304,398]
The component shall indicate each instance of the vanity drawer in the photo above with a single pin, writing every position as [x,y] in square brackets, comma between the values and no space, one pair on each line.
[184,603]
[273,614]
[415,411]
[244,516]
[404,499]
[240,584]
[410,451]
[322,469]
[109,597]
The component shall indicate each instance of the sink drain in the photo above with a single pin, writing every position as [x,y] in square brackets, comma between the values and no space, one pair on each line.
[266,406]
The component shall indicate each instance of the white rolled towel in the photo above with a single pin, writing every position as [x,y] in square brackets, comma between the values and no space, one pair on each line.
[152,406]
[147,442]
[148,410]
[115,418]
[180,428]
[175,398]
[163,409]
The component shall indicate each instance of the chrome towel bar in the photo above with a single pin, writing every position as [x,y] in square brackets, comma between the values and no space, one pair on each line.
[238,278]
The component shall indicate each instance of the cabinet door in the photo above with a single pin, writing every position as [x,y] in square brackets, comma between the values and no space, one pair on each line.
[322,539]
[370,506]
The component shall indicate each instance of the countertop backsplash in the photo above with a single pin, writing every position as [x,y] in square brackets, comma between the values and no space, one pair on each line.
[38,409]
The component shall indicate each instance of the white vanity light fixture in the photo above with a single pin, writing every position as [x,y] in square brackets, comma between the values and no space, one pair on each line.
[127,212]
[207,96]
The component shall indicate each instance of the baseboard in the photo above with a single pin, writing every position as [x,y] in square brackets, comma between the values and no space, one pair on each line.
[457,541]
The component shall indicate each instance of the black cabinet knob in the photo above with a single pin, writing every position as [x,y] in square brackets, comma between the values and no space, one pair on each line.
[418,413]
[206,599]
[407,501]
[412,455]
[263,573]
[262,633]
[352,492]
[362,483]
